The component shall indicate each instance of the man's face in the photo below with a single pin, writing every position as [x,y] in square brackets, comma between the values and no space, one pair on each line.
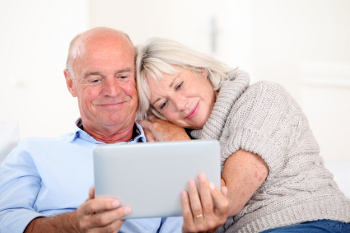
[105,83]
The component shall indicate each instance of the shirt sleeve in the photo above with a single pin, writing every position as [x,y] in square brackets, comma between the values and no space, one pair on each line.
[19,187]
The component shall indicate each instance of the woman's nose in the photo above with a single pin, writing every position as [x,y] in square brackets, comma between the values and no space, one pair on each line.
[180,102]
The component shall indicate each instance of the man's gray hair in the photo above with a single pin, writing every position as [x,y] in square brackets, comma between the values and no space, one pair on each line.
[156,56]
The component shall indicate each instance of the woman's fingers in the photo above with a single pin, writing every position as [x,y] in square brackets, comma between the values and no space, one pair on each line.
[186,210]
[224,190]
[149,135]
[151,117]
[145,124]
[206,209]
[221,202]
[205,196]
[163,130]
[195,201]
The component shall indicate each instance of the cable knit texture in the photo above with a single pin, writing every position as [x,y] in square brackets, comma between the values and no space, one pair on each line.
[264,119]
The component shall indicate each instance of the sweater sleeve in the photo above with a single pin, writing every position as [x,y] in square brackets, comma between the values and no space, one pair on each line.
[267,121]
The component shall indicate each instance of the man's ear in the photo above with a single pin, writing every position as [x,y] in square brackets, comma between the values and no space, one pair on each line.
[70,82]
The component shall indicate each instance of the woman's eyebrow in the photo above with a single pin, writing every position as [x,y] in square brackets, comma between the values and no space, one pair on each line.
[172,83]
[155,101]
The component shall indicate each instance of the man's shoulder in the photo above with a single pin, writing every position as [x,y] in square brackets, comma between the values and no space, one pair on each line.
[31,140]
[43,141]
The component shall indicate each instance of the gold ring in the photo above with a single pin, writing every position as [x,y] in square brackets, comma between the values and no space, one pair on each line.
[198,216]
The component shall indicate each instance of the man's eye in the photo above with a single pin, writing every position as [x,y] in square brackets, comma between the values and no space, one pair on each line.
[123,76]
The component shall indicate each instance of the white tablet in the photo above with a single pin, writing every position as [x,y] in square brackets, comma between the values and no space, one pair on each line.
[149,177]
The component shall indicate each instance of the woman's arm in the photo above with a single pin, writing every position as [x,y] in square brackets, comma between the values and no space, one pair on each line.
[160,130]
[243,174]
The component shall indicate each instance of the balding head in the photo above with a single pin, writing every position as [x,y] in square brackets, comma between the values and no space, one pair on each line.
[77,45]
[103,63]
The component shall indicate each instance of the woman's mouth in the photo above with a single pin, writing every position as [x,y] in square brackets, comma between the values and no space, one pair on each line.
[193,112]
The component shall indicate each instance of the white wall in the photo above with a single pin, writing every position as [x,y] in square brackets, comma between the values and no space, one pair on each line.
[33,47]
[273,40]
[304,45]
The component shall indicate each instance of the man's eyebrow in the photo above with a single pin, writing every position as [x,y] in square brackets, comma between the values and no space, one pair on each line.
[124,70]
[91,73]
[117,72]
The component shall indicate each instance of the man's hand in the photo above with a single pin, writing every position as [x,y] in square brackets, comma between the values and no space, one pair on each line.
[161,130]
[101,215]
[88,218]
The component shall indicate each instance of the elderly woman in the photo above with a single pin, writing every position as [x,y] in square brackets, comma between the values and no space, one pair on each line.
[276,179]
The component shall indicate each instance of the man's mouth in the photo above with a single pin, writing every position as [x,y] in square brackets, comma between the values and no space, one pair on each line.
[111,105]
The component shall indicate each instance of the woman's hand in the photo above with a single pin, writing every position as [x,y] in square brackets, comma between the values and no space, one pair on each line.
[205,211]
[161,130]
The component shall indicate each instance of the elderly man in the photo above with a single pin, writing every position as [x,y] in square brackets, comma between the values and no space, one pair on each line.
[44,182]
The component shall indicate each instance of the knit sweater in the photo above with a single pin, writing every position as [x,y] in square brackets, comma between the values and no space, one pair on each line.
[264,119]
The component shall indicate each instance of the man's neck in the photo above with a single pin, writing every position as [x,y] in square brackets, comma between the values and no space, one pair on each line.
[110,135]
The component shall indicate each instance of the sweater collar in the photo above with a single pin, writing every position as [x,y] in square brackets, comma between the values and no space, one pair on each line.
[229,93]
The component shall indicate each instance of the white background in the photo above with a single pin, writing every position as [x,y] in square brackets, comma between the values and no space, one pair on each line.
[302,44]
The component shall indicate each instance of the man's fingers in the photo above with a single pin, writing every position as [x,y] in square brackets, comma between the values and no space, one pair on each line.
[107,219]
[97,205]
[113,227]
[92,192]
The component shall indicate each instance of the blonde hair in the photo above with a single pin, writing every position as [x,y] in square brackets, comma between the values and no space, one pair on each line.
[156,56]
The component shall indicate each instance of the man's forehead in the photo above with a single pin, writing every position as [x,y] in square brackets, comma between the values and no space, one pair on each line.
[105,45]
[97,41]
[104,54]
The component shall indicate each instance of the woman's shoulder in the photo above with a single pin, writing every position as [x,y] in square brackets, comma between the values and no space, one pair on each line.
[266,97]
[267,90]
[266,87]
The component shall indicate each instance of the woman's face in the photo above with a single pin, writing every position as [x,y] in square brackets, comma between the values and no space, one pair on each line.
[184,98]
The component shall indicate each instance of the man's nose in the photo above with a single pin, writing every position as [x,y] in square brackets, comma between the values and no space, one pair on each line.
[111,87]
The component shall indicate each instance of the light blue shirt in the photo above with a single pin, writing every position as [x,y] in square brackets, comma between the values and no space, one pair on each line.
[45,177]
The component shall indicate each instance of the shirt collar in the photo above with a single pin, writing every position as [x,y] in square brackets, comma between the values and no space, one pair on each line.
[138,134]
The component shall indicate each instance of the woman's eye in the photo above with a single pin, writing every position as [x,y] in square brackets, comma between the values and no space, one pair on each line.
[163,105]
[179,85]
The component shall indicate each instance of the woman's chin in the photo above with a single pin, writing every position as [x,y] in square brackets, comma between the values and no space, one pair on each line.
[196,126]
